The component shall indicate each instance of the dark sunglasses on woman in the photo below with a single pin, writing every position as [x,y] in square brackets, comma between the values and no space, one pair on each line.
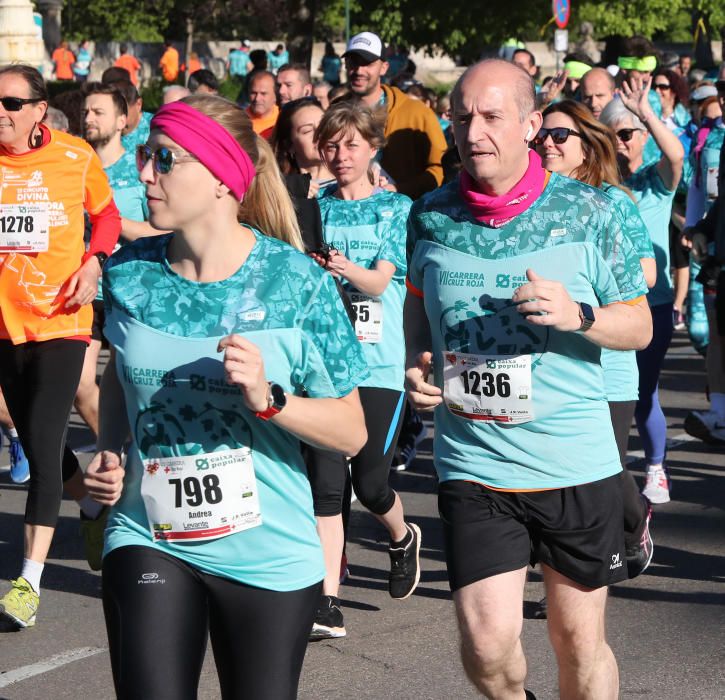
[626,134]
[559,134]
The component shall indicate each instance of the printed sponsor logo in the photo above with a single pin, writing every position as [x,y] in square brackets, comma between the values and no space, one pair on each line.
[196,381]
[70,154]
[150,578]
[556,232]
[202,525]
[451,278]
[616,561]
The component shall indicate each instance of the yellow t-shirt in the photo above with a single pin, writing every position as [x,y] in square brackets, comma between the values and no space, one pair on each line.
[64,177]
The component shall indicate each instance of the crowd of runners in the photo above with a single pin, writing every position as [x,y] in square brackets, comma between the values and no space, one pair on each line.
[272,276]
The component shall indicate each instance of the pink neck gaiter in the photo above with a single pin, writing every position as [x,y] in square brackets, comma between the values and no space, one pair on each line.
[497,211]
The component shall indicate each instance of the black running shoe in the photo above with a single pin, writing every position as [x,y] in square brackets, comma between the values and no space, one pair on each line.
[639,555]
[328,622]
[405,565]
[541,610]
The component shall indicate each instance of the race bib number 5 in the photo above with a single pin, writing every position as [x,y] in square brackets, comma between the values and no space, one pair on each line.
[200,497]
[24,228]
[488,387]
[368,317]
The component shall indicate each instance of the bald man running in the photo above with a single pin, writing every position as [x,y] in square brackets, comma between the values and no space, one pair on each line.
[517,278]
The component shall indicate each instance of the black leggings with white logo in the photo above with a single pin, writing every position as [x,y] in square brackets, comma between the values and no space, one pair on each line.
[159,611]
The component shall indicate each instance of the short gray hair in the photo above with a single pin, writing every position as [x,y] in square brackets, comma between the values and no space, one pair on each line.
[615,113]
[56,119]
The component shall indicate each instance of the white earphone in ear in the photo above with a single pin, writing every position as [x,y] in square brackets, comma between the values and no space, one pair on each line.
[529,134]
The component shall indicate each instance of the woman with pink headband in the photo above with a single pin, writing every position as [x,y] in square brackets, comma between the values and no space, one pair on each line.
[230,347]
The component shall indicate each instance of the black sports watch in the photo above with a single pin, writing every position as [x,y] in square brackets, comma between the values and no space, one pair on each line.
[586,316]
[276,400]
[101,257]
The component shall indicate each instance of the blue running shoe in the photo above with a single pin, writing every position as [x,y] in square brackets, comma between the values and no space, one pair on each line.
[19,467]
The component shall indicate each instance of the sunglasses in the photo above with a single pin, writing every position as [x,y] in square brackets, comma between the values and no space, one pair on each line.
[163,158]
[662,86]
[626,134]
[15,104]
[559,134]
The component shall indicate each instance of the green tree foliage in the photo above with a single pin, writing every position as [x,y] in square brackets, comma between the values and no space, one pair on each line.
[100,20]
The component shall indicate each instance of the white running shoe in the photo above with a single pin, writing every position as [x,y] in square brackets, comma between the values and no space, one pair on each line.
[657,486]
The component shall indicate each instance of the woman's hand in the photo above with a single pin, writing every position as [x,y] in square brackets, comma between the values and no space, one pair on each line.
[634,95]
[104,478]
[244,367]
[337,263]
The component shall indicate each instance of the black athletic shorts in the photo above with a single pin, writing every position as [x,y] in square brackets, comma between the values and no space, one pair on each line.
[577,531]
[99,320]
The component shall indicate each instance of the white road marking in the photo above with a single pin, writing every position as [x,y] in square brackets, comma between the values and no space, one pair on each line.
[67,657]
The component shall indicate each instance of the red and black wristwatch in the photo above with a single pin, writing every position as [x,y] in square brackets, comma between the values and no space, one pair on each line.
[276,401]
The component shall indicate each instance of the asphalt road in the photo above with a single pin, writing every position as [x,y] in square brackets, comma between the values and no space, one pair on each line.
[667,628]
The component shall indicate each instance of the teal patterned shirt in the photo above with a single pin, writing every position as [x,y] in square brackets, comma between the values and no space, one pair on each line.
[139,135]
[367,231]
[655,206]
[165,330]
[466,274]
[129,193]
[621,376]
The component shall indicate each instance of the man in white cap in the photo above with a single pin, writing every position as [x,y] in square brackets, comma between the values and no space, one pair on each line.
[414,140]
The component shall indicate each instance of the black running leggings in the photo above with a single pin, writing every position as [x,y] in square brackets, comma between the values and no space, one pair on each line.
[383,409]
[159,611]
[39,381]
[635,509]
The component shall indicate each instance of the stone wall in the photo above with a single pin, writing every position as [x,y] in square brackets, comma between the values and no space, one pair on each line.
[434,70]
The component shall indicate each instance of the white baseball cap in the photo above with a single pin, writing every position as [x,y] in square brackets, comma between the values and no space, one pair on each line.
[703,92]
[366,45]
[247,43]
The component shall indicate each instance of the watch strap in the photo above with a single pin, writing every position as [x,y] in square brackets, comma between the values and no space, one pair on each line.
[586,317]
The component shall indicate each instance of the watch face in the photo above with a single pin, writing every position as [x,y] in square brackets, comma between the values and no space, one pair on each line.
[278,397]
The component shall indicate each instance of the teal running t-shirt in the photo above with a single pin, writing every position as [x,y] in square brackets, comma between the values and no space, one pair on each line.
[621,375]
[655,206]
[165,330]
[129,193]
[366,231]
[524,405]
[139,135]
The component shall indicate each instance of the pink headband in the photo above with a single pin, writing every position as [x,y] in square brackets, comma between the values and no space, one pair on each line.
[210,142]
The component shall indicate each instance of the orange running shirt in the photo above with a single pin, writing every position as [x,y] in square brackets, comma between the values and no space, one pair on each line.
[265,123]
[64,60]
[169,64]
[64,177]
[131,64]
